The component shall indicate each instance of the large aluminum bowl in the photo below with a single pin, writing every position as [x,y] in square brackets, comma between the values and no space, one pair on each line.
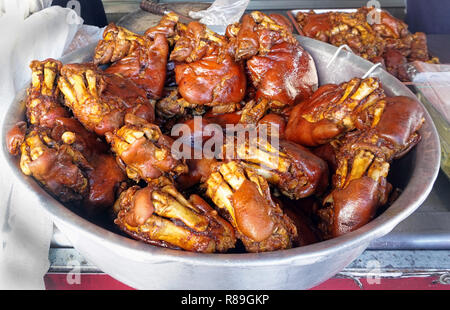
[143,266]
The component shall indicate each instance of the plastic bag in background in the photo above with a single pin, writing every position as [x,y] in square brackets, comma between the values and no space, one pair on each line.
[432,82]
[25,228]
[221,13]
[86,35]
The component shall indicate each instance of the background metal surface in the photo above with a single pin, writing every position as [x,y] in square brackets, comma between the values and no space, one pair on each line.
[116,9]
[143,266]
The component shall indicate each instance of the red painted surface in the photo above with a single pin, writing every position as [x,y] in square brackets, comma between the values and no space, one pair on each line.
[58,281]
[414,283]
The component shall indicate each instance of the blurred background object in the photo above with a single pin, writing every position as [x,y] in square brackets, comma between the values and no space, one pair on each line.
[92,11]
[431,16]
[432,84]
[115,9]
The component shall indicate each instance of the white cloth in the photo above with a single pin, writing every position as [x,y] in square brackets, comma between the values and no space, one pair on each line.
[25,7]
[221,13]
[25,230]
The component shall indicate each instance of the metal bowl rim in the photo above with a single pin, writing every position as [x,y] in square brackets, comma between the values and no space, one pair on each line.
[378,227]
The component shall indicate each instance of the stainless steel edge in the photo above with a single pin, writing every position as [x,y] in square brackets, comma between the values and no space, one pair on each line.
[144,266]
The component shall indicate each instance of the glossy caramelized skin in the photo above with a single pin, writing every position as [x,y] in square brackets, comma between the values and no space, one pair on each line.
[143,150]
[335,109]
[388,41]
[279,68]
[317,26]
[57,167]
[198,172]
[209,67]
[283,74]
[363,160]
[100,101]
[160,215]
[293,169]
[103,173]
[71,162]
[15,137]
[166,26]
[256,74]
[42,105]
[205,72]
[116,44]
[195,41]
[173,105]
[254,110]
[244,199]
[141,59]
[132,99]
[210,81]
[256,34]
[82,86]
[145,66]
